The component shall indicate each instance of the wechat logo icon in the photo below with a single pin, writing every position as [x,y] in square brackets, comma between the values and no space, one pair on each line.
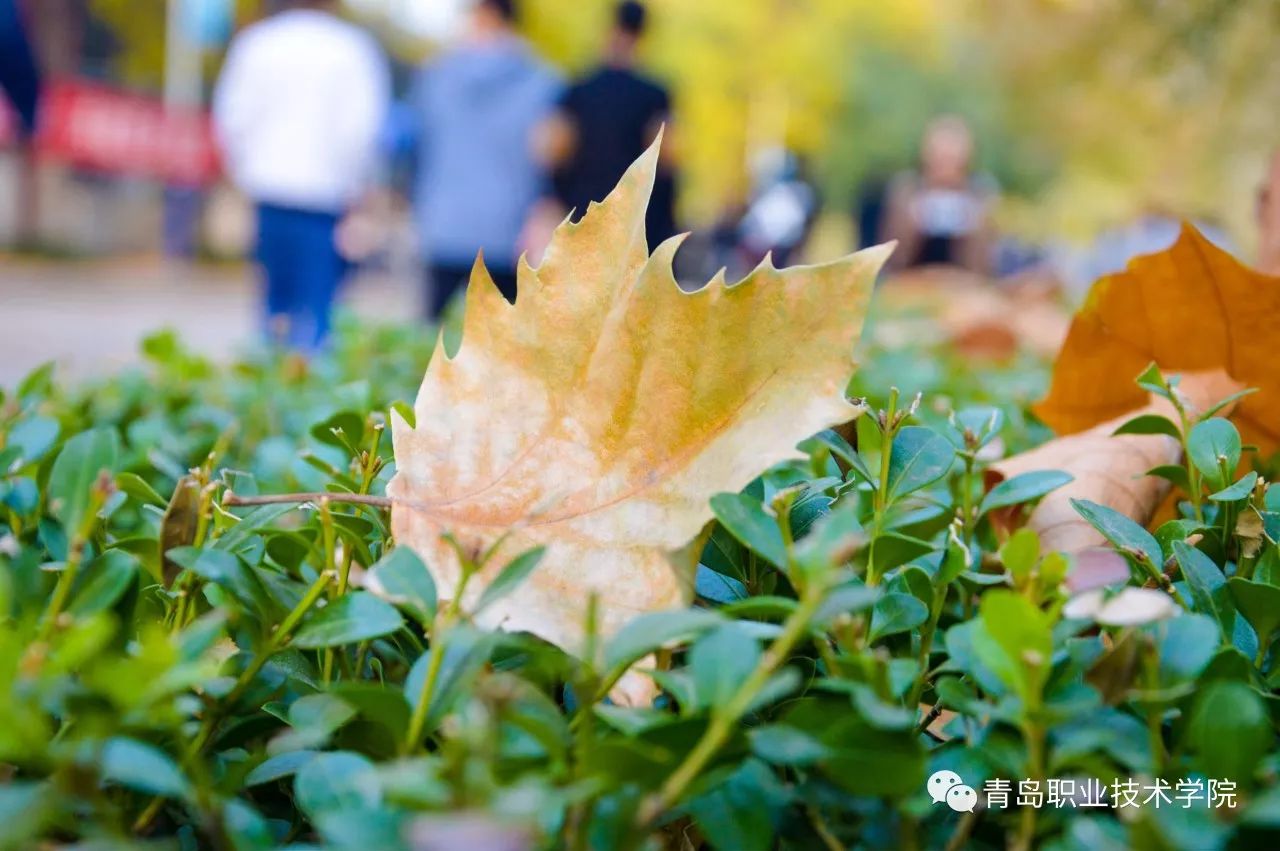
[947,786]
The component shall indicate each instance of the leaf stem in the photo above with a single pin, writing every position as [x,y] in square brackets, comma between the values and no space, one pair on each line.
[211,720]
[445,620]
[725,721]
[274,644]
[233,499]
[75,555]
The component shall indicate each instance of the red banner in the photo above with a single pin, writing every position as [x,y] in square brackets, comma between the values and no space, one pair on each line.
[104,129]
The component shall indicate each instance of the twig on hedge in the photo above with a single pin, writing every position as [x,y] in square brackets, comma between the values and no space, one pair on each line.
[724,723]
[961,835]
[934,713]
[229,498]
[820,827]
[213,717]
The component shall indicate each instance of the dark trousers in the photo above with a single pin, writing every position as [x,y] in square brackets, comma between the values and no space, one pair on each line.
[444,280]
[302,271]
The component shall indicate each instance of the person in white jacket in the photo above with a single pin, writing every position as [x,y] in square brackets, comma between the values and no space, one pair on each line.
[298,110]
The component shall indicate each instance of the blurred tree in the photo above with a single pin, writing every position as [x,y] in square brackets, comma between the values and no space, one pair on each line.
[139,29]
[1150,105]
[744,75]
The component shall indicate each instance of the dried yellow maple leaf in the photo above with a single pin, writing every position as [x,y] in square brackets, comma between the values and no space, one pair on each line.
[598,415]
[1190,308]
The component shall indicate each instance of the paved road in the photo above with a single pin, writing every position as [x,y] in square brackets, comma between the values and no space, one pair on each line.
[89,317]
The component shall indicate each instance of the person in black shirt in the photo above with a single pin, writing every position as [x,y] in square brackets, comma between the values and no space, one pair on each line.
[941,214]
[603,123]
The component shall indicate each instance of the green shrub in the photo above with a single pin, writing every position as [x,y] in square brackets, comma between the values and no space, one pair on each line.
[182,671]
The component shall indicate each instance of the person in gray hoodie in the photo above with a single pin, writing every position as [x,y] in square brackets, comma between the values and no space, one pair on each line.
[474,111]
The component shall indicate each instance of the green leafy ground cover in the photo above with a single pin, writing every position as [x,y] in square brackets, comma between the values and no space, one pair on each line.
[177,672]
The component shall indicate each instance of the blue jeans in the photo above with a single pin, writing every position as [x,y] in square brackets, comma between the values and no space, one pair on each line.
[302,271]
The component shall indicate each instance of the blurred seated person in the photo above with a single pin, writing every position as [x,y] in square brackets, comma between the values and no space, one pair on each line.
[781,211]
[941,215]
[602,124]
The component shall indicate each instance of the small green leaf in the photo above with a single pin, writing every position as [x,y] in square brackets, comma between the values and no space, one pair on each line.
[1228,400]
[743,810]
[840,448]
[38,382]
[865,760]
[982,422]
[748,521]
[353,617]
[278,767]
[137,488]
[1023,488]
[720,661]
[259,518]
[1230,731]
[1150,424]
[919,457]
[405,411]
[143,768]
[1213,445]
[646,633]
[227,571]
[82,460]
[343,430]
[466,650]
[403,580]
[1186,645]
[313,718]
[109,576]
[376,703]
[849,598]
[1172,473]
[510,577]
[33,437]
[246,828]
[1013,640]
[1153,381]
[834,539]
[1208,585]
[782,744]
[337,782]
[1020,553]
[893,549]
[1271,499]
[896,612]
[1239,490]
[1122,532]
[1268,569]
[1258,603]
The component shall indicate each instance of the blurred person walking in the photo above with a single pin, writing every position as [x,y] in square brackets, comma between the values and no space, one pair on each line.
[475,108]
[941,215]
[298,110]
[20,81]
[604,122]
[19,74]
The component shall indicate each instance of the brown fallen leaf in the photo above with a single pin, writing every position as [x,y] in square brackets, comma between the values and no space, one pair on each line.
[976,317]
[178,526]
[598,415]
[1190,308]
[1107,469]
